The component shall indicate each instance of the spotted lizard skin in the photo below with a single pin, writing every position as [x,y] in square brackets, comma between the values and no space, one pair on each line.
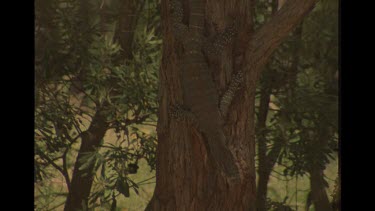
[200,94]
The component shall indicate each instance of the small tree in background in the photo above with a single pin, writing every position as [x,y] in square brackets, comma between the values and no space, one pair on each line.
[96,71]
[301,130]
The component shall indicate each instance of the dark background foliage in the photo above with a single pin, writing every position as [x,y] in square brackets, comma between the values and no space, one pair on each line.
[83,69]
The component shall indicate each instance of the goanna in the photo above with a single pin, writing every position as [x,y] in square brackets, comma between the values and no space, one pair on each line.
[200,94]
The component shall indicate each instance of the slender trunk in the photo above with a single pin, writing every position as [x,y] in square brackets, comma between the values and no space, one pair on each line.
[317,182]
[336,198]
[262,190]
[266,161]
[91,139]
[318,190]
[263,169]
[82,179]
[264,172]
[127,22]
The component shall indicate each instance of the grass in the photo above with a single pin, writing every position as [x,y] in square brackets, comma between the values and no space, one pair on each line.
[278,186]
[297,188]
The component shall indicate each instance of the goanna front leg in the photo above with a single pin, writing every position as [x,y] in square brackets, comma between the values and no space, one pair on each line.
[215,48]
[227,98]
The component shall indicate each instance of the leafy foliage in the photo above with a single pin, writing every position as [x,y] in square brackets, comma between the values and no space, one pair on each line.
[80,70]
[302,83]
[278,206]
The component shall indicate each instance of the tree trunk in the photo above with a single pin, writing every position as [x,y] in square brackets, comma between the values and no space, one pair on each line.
[317,182]
[336,198]
[263,170]
[82,179]
[91,139]
[266,161]
[186,178]
[127,22]
[318,190]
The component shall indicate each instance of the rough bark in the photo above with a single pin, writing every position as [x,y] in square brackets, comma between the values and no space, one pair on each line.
[186,178]
[270,35]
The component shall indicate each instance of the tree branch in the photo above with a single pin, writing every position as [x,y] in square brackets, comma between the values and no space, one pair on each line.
[271,34]
[64,172]
[65,168]
[263,44]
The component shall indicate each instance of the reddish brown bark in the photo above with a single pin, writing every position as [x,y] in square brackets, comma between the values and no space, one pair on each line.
[186,178]
[268,37]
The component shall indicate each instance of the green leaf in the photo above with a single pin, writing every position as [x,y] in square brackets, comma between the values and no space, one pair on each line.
[86,161]
[123,187]
[103,171]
